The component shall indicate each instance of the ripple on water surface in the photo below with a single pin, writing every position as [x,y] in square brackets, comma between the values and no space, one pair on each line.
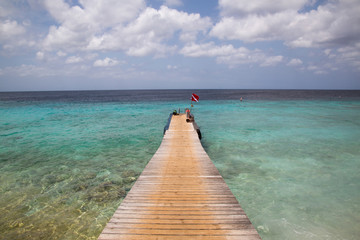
[293,165]
[66,167]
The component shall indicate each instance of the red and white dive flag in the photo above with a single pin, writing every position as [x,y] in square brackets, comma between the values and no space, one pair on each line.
[194,98]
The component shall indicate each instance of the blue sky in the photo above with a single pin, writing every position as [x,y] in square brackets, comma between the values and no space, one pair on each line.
[162,44]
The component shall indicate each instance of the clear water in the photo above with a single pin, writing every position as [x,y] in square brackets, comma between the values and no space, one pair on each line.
[293,165]
[291,158]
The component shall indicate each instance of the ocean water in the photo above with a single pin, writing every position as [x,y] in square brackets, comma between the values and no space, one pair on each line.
[292,158]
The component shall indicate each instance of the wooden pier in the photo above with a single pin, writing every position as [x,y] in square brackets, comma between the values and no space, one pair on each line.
[180,195]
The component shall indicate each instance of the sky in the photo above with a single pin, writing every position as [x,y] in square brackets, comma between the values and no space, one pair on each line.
[179,44]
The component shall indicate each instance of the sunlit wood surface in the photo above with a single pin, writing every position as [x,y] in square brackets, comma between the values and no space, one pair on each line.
[180,195]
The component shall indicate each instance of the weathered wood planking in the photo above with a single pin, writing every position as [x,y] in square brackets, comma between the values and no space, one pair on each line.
[180,195]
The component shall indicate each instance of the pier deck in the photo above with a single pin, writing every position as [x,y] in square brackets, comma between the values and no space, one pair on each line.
[180,195]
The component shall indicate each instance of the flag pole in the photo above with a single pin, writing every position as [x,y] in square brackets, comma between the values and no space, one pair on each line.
[191,100]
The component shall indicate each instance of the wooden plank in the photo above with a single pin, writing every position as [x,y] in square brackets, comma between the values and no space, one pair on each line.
[180,221]
[180,195]
[106,236]
[207,232]
[182,212]
[177,216]
[179,226]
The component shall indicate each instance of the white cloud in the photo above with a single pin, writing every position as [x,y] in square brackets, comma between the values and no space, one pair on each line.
[229,55]
[7,9]
[327,51]
[173,3]
[252,28]
[74,59]
[107,62]
[209,50]
[149,33]
[295,62]
[170,67]
[61,54]
[78,25]
[319,70]
[350,52]
[94,14]
[139,31]
[238,8]
[40,55]
[26,70]
[83,29]
[332,24]
[271,61]
[349,55]
[10,30]
[14,37]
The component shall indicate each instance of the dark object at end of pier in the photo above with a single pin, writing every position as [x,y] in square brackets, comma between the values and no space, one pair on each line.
[168,123]
[196,127]
[191,119]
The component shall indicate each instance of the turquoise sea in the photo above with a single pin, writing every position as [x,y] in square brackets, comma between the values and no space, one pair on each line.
[292,158]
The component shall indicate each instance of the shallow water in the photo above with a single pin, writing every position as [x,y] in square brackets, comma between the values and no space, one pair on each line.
[66,162]
[293,165]
[66,167]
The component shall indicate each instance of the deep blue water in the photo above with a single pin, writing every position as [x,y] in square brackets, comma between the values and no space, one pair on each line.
[179,95]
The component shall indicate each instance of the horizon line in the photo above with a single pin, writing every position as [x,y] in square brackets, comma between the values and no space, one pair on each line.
[193,89]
